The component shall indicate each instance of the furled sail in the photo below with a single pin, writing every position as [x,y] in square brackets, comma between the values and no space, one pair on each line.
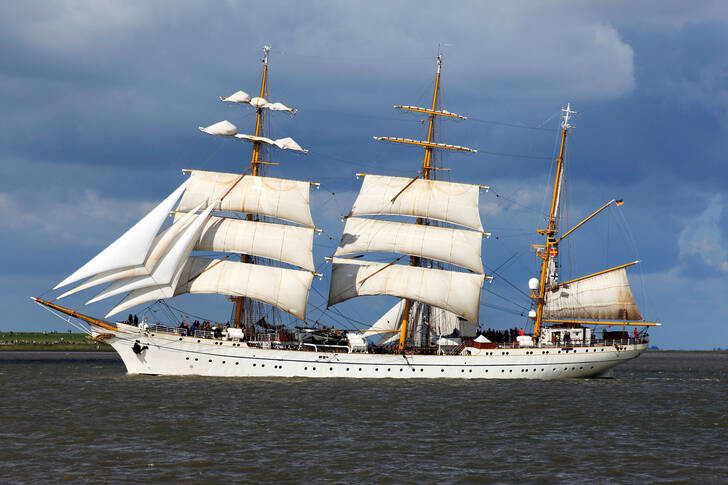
[450,290]
[606,296]
[243,97]
[283,288]
[283,143]
[132,247]
[451,202]
[225,128]
[268,196]
[456,246]
[221,128]
[286,243]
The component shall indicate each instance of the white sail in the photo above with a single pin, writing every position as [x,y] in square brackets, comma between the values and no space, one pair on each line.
[267,196]
[456,246]
[159,247]
[443,322]
[243,97]
[392,320]
[132,247]
[605,297]
[221,128]
[444,201]
[286,243]
[237,97]
[450,290]
[167,271]
[283,288]
[283,143]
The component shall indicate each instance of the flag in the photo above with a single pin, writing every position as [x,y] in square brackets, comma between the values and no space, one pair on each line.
[619,202]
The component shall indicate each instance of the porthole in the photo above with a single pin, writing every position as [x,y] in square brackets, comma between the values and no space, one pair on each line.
[195,358]
[502,370]
[223,361]
[305,368]
[237,363]
[331,368]
[254,364]
[376,369]
[471,370]
[442,370]
[187,358]
[510,370]
[462,370]
[314,368]
[198,341]
[401,369]
[422,370]
[262,365]
[180,338]
[388,369]
[209,360]
[359,369]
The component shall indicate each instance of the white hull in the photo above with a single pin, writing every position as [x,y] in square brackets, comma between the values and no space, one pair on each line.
[169,354]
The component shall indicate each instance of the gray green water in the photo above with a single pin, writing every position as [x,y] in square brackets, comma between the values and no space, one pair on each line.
[664,418]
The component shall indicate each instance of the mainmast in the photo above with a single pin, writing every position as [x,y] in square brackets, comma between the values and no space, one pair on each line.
[427,167]
[551,249]
[255,162]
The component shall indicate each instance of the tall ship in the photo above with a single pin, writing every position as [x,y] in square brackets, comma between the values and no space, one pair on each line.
[261,230]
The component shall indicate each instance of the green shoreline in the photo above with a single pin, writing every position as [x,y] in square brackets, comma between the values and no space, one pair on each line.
[50,342]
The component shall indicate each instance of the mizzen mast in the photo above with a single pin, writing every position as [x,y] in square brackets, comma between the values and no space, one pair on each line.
[551,249]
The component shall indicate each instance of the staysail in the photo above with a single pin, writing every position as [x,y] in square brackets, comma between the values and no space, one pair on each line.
[131,248]
[605,296]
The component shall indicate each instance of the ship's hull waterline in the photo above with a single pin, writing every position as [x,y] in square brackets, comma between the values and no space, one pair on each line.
[170,354]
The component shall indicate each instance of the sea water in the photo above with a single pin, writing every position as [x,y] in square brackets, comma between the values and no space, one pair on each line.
[663,418]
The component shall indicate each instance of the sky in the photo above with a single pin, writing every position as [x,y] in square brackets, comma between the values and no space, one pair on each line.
[101,102]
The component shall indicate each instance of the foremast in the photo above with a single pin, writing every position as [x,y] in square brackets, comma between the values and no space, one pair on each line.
[255,163]
[216,213]
[426,172]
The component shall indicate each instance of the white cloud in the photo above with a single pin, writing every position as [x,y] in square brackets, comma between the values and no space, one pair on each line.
[702,236]
[85,218]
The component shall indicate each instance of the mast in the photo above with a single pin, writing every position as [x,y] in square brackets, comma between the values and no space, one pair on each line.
[255,162]
[429,145]
[426,168]
[551,249]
